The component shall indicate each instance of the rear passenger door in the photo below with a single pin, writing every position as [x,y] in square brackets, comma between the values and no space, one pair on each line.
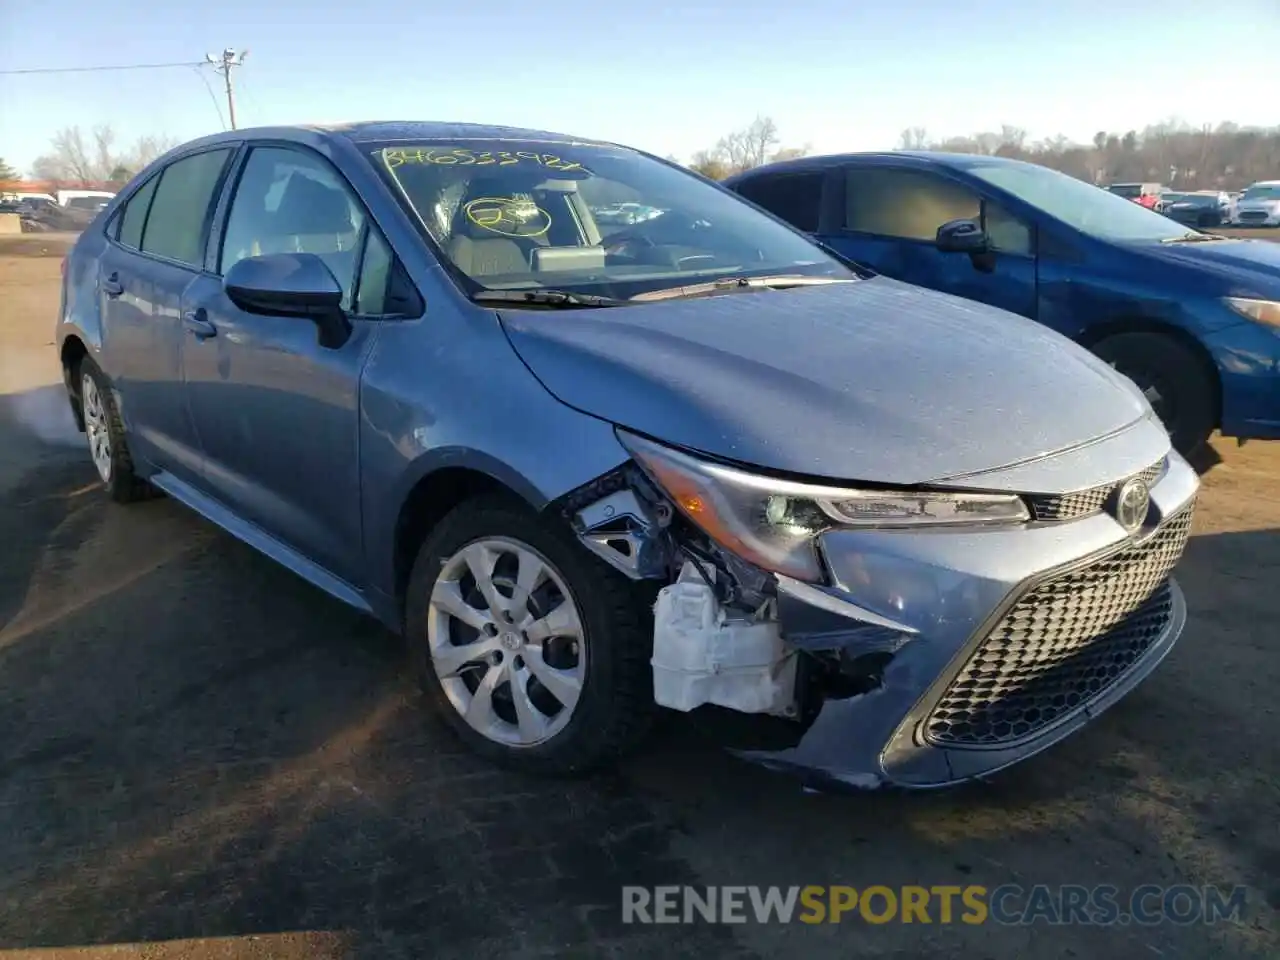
[277,413]
[156,249]
[890,218]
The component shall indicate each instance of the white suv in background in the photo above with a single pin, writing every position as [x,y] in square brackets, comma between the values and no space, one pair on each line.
[1259,206]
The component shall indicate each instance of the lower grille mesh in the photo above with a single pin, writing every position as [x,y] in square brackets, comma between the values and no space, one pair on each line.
[1062,644]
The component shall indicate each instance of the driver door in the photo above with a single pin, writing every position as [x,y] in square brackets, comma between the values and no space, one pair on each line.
[277,413]
[891,217]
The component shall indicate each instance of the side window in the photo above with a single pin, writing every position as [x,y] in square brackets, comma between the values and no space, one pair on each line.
[1006,232]
[375,275]
[134,215]
[292,201]
[795,197]
[175,225]
[906,204]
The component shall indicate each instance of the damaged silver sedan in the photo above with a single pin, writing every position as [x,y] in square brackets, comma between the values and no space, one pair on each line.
[594,467]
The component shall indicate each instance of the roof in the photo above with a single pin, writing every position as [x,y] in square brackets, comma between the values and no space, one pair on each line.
[382,130]
[923,156]
[365,131]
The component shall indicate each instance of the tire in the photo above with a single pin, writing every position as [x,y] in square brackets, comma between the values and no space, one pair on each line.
[1182,392]
[613,705]
[104,430]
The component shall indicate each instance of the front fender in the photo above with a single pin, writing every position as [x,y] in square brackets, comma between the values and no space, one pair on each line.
[449,391]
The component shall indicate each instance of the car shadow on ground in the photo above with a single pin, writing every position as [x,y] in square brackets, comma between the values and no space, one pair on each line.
[198,744]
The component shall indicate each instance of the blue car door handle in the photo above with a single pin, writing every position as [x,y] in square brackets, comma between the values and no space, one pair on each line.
[197,323]
[112,286]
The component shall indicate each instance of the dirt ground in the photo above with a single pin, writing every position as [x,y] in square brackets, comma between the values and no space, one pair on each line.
[202,756]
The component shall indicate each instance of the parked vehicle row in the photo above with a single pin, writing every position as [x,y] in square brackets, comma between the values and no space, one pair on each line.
[1256,206]
[1199,208]
[721,455]
[1147,195]
[1259,206]
[69,210]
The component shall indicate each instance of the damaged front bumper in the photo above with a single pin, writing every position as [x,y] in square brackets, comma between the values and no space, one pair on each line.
[987,647]
[930,656]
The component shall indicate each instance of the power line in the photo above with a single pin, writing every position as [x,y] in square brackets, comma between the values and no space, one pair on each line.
[123,66]
[213,98]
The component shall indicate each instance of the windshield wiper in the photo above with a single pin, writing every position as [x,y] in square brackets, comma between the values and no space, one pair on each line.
[731,284]
[564,299]
[1194,237]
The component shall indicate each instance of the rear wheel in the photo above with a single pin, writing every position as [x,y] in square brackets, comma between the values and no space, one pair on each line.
[533,651]
[104,430]
[1174,379]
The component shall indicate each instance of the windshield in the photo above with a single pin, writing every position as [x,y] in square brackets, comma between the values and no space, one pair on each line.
[1130,190]
[1107,216]
[526,215]
[1262,192]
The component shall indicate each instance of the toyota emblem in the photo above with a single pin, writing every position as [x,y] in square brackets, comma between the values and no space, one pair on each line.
[1133,499]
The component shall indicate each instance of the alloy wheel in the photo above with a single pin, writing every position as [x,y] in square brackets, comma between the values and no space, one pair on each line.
[506,640]
[96,426]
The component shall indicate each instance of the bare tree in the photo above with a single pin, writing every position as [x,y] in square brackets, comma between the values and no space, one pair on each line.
[707,163]
[7,172]
[789,153]
[752,146]
[913,138]
[76,157]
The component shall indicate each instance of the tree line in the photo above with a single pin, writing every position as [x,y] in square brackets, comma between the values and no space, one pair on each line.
[1223,157]
[77,156]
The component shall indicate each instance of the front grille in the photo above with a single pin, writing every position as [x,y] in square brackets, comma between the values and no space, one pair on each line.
[1252,216]
[1082,503]
[1062,644]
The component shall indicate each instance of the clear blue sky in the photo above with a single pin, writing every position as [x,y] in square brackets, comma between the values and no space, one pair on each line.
[836,74]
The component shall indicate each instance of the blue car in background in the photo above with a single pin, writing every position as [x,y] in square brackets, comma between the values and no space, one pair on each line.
[1192,318]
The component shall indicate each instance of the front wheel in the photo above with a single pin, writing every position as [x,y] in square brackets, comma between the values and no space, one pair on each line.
[534,652]
[1175,381]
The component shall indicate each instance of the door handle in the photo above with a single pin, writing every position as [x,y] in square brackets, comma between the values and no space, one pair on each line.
[198,325]
[112,286]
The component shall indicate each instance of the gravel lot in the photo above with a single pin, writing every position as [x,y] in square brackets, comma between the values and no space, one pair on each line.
[205,757]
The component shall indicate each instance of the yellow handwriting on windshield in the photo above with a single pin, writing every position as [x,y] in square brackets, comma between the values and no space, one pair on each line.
[466,157]
[509,216]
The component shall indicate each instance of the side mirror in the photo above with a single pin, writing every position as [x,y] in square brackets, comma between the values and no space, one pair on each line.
[962,236]
[290,285]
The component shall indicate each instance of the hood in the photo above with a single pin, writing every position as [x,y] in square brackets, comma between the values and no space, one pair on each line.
[1259,203]
[875,380]
[1246,267]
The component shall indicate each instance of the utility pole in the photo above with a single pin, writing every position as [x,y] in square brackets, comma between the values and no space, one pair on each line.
[223,64]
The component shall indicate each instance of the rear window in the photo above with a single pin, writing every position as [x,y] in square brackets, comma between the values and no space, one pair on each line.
[134,217]
[179,214]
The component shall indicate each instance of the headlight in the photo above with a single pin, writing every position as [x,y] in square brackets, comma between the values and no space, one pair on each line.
[775,523]
[1262,311]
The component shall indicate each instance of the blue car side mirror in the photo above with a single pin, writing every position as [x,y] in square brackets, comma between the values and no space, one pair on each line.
[962,236]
